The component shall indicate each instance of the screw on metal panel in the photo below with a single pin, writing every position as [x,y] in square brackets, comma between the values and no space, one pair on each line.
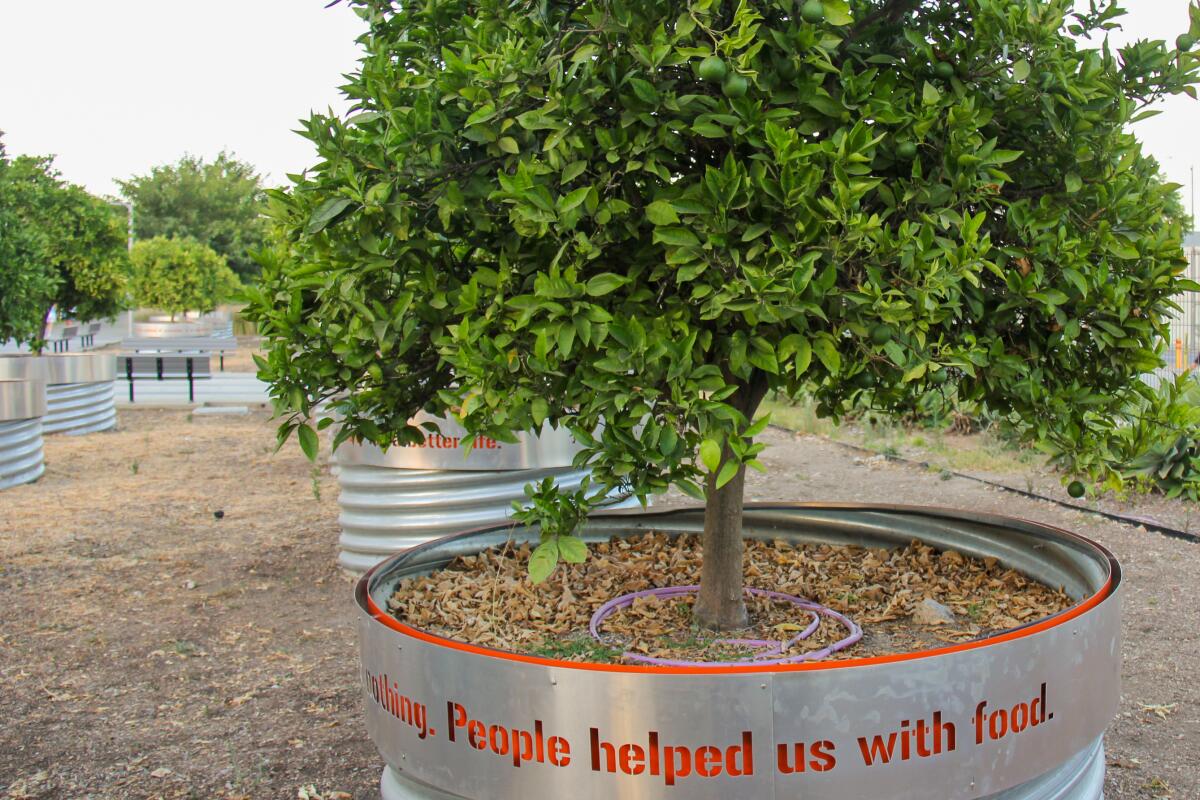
[764,686]
[554,681]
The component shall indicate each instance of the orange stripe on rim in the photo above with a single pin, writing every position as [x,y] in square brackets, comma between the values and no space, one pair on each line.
[1061,618]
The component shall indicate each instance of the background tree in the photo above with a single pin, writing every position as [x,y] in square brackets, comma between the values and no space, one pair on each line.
[177,275]
[219,204]
[651,213]
[25,275]
[75,252]
[86,241]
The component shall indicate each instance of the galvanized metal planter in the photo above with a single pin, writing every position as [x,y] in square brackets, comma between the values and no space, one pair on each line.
[22,405]
[1017,716]
[80,393]
[409,495]
[79,389]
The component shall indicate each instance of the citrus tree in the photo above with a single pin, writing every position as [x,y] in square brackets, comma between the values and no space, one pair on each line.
[177,275]
[67,250]
[217,203]
[637,218]
[24,274]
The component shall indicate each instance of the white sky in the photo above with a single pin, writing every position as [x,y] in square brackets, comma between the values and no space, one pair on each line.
[114,87]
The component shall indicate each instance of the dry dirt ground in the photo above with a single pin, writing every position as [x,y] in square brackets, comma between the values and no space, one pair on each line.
[151,650]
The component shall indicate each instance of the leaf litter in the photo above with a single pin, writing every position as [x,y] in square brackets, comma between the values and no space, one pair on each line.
[488,600]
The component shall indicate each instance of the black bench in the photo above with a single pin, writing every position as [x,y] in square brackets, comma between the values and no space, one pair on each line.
[63,345]
[88,340]
[165,368]
[199,345]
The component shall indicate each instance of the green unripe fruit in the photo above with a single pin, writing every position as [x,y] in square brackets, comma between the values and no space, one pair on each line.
[943,70]
[881,334]
[907,151]
[864,380]
[1185,42]
[939,377]
[1076,489]
[713,70]
[813,12]
[735,85]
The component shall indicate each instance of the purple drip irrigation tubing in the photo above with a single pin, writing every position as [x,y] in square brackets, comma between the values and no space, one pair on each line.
[770,652]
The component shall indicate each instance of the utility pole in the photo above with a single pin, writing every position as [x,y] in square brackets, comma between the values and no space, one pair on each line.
[129,242]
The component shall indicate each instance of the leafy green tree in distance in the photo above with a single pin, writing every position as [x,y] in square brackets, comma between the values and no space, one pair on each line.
[72,248]
[636,218]
[219,204]
[87,241]
[177,275]
[25,275]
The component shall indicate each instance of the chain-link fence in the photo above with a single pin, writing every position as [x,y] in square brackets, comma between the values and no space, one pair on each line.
[1183,349]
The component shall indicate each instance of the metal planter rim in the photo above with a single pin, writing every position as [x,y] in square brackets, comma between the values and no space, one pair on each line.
[1110,587]
[22,367]
[22,399]
[63,368]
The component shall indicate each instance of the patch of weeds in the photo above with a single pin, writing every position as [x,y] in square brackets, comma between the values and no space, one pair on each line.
[315,475]
[582,648]
[945,475]
[975,611]
[133,467]
[184,648]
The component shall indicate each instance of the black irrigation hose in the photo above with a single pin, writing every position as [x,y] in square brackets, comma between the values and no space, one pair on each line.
[1173,533]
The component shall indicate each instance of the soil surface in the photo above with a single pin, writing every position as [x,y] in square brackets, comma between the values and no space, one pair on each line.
[905,600]
[151,650]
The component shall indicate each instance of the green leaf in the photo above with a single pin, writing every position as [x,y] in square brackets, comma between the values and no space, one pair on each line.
[829,355]
[916,372]
[837,12]
[309,442]
[727,473]
[509,145]
[327,213]
[710,454]
[755,231]
[573,200]
[539,409]
[572,549]
[1073,182]
[1021,71]
[572,171]
[605,283]
[543,560]
[930,95]
[660,212]
[677,237]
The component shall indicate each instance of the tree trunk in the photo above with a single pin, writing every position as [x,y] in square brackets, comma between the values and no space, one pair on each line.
[721,604]
[45,330]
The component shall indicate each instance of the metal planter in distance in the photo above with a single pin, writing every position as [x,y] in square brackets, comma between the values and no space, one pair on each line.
[22,406]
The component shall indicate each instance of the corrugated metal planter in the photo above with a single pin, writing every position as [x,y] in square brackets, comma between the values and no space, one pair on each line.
[79,389]
[80,393]
[410,495]
[22,405]
[1015,716]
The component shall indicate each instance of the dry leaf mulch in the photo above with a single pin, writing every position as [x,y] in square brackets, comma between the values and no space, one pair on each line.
[487,599]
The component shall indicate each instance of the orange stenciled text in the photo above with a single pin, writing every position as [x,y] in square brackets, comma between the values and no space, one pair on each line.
[672,762]
[1004,721]
[919,740]
[387,694]
[436,441]
[506,741]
